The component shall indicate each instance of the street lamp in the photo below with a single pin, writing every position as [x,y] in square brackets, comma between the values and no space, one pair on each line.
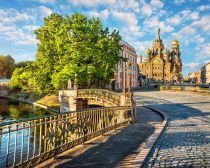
[75,81]
[130,75]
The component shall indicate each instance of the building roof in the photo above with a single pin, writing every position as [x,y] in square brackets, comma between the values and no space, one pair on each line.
[127,44]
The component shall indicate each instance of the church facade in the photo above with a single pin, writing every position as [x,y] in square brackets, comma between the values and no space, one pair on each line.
[161,64]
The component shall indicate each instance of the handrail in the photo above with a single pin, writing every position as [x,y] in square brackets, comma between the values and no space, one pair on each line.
[26,143]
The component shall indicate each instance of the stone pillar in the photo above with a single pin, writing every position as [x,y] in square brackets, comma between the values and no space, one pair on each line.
[68,100]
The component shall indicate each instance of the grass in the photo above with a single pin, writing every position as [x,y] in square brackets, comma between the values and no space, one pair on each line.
[50,100]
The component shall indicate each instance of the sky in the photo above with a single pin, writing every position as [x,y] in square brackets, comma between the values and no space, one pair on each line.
[137,21]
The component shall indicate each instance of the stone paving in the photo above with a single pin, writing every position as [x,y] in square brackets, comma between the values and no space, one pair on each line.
[186,140]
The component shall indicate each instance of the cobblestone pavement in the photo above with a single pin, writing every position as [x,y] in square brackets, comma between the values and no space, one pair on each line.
[186,140]
[119,149]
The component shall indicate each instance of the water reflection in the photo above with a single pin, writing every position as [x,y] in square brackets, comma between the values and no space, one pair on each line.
[14,110]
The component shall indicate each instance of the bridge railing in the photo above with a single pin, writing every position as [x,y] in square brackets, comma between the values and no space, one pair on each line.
[26,143]
[102,94]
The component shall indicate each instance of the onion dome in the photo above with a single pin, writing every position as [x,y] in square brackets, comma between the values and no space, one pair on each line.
[175,42]
[148,51]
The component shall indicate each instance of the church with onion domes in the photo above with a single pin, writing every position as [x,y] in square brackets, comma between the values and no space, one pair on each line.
[161,64]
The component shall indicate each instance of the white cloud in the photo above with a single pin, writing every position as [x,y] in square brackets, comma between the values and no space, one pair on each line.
[91,3]
[154,22]
[11,32]
[104,14]
[204,7]
[205,50]
[162,13]
[142,46]
[17,35]
[193,16]
[183,16]
[184,13]
[198,39]
[132,4]
[192,67]
[185,32]
[45,11]
[130,29]
[12,15]
[46,1]
[30,28]
[146,10]
[202,23]
[179,1]
[174,20]
[128,17]
[157,3]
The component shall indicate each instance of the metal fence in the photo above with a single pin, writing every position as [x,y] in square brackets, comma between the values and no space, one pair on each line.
[28,142]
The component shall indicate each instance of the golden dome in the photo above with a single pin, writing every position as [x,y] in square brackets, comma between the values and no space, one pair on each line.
[175,42]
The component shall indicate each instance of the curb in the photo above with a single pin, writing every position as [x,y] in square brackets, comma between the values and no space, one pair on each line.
[140,159]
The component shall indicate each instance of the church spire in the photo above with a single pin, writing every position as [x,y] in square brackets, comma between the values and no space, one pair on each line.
[140,58]
[158,34]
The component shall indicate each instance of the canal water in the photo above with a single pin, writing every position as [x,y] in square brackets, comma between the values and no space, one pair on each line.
[17,141]
[11,110]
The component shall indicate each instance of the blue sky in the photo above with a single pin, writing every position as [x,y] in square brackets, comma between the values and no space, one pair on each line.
[137,21]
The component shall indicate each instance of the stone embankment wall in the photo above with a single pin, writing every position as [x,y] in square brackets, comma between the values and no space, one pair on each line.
[186,88]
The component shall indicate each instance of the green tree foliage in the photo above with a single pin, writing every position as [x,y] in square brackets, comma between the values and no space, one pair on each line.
[75,48]
[7,65]
[22,64]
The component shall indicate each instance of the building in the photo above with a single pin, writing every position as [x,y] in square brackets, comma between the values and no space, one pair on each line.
[194,77]
[4,82]
[205,73]
[122,69]
[161,64]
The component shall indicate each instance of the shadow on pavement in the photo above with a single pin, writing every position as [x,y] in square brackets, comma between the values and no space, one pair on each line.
[118,147]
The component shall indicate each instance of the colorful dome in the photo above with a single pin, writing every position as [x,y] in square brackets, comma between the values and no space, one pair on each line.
[148,51]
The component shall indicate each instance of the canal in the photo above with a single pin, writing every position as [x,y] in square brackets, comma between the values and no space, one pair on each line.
[15,142]
[12,110]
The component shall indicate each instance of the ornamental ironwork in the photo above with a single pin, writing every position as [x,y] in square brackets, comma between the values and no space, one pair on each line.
[28,142]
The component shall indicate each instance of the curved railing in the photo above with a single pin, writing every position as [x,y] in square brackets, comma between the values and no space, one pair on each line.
[100,93]
[28,142]
[186,88]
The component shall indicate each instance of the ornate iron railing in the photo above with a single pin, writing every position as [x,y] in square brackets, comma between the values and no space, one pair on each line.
[110,96]
[26,143]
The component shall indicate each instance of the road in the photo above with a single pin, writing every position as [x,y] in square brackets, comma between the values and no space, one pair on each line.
[186,140]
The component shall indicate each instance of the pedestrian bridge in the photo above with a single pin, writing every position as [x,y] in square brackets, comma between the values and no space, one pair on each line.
[28,142]
[76,99]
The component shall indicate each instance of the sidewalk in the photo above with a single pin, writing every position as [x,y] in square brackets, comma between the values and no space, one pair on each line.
[114,149]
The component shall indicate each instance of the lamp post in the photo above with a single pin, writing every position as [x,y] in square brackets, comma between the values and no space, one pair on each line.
[130,75]
[124,77]
[75,81]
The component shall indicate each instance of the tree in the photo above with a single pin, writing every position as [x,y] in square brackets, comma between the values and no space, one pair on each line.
[22,64]
[76,48]
[7,64]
